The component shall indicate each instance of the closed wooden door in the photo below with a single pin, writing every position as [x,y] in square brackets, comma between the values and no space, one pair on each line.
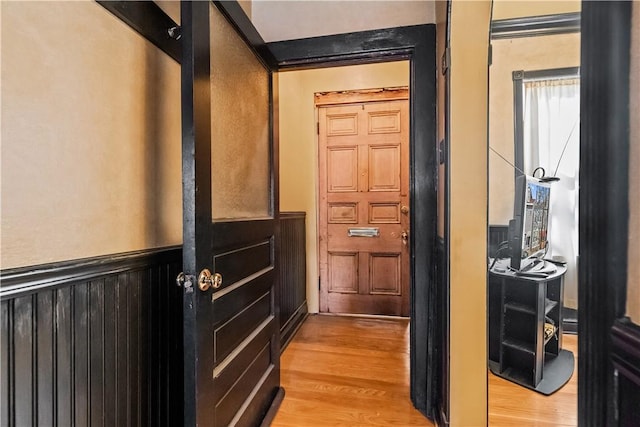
[364,207]
[231,335]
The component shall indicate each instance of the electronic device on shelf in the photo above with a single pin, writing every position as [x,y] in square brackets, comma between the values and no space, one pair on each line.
[528,230]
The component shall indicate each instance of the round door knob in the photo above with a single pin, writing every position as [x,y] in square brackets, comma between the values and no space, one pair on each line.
[404,209]
[217,280]
[207,280]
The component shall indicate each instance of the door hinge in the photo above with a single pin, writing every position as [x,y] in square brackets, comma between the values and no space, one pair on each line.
[317,128]
[490,54]
[446,60]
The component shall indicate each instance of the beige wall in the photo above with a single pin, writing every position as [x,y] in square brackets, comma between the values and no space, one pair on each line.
[528,54]
[633,283]
[504,9]
[90,136]
[172,8]
[468,207]
[298,140]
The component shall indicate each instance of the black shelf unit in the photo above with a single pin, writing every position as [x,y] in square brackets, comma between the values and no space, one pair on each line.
[519,307]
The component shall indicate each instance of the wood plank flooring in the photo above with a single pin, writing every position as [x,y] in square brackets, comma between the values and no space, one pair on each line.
[354,371]
[348,371]
[512,405]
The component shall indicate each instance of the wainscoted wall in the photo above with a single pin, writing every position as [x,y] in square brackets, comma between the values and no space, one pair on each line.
[625,340]
[92,342]
[293,271]
[440,351]
[497,235]
[98,341]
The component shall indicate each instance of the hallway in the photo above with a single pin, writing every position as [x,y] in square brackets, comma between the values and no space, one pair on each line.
[354,371]
[348,371]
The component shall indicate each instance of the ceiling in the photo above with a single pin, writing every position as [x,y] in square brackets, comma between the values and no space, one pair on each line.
[278,20]
[288,20]
[296,19]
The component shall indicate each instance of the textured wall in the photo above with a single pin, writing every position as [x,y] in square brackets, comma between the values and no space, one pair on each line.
[90,136]
[467,215]
[528,54]
[504,9]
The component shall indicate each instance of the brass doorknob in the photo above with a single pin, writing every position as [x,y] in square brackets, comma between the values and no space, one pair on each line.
[207,280]
[404,209]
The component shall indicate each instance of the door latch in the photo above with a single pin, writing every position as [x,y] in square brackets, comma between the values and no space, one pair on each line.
[186,281]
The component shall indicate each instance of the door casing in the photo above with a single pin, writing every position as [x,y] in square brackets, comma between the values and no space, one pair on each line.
[416,44]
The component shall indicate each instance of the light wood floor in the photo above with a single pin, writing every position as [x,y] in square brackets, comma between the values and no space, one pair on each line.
[349,371]
[512,405]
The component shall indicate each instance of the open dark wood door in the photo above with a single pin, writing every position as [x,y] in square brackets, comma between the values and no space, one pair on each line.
[231,342]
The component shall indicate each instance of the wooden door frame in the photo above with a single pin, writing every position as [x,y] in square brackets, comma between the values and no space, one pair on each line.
[337,99]
[416,44]
[604,209]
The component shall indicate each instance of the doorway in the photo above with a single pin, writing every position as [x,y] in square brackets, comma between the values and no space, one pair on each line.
[363,203]
[411,48]
[534,80]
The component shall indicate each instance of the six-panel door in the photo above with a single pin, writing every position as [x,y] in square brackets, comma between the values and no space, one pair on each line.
[364,205]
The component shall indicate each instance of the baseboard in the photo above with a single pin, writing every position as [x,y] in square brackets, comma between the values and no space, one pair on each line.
[366,316]
[441,419]
[290,328]
[273,409]
[569,321]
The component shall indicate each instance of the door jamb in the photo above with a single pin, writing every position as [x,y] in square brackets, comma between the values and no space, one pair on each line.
[417,44]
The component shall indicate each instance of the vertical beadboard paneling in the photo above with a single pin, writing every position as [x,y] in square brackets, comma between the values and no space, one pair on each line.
[96,352]
[293,292]
[143,349]
[95,343]
[133,361]
[110,355]
[5,369]
[122,350]
[81,355]
[44,358]
[64,356]
[23,360]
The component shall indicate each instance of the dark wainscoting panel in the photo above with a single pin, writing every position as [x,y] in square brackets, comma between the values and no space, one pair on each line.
[625,343]
[497,235]
[92,342]
[441,349]
[293,274]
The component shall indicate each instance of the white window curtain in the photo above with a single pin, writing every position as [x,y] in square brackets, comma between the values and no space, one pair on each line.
[552,141]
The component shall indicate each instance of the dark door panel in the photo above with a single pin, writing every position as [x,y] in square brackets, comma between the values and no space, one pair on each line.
[231,334]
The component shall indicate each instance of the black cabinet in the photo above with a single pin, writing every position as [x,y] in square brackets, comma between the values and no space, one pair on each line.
[525,330]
